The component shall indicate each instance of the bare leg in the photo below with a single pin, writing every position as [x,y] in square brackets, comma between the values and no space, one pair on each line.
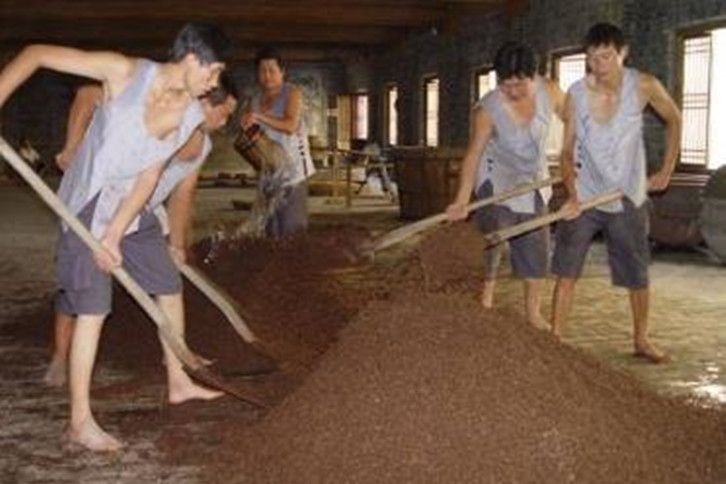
[562,304]
[639,304]
[492,258]
[56,374]
[83,428]
[487,293]
[533,303]
[181,386]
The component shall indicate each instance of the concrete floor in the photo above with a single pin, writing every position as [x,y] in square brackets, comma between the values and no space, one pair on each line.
[689,303]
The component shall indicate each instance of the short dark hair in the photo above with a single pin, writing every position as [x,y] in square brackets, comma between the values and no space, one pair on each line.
[268,52]
[604,34]
[225,88]
[206,41]
[515,59]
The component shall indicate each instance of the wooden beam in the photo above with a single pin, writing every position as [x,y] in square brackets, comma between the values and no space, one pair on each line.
[155,31]
[324,13]
[297,53]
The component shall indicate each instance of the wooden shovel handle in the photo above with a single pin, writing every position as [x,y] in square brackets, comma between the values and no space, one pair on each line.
[507,233]
[178,347]
[402,233]
[219,299]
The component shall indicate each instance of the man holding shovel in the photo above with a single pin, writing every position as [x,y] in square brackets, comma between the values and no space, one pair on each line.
[603,150]
[175,188]
[149,112]
[508,149]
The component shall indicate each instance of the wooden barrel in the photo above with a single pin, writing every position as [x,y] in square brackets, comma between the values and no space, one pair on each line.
[427,180]
[712,219]
[259,150]
[674,213]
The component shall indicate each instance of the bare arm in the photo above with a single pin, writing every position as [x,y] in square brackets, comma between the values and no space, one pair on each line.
[557,98]
[179,209]
[110,68]
[84,103]
[567,158]
[192,148]
[483,128]
[291,120]
[179,205]
[127,210]
[653,93]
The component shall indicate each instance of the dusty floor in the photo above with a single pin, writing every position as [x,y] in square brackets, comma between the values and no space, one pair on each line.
[687,314]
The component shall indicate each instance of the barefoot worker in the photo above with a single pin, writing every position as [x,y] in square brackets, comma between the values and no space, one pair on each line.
[150,111]
[176,189]
[508,149]
[603,150]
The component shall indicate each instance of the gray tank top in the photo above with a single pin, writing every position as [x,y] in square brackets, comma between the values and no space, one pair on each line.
[516,153]
[611,155]
[174,172]
[117,148]
[299,165]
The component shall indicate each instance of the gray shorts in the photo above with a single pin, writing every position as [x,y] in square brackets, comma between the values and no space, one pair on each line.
[528,253]
[626,238]
[291,216]
[85,289]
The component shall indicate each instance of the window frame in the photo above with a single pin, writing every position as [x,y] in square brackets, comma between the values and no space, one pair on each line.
[354,115]
[679,48]
[426,80]
[480,71]
[388,87]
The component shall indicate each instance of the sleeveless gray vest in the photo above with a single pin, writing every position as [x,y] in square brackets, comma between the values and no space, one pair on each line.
[117,148]
[611,155]
[516,154]
[300,163]
[175,171]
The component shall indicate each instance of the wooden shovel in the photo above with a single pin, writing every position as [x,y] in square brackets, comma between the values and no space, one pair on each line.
[501,235]
[402,233]
[178,347]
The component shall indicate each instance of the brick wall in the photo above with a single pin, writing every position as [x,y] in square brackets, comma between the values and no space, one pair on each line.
[547,25]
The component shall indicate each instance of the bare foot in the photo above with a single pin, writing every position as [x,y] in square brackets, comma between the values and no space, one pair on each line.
[92,437]
[649,352]
[204,361]
[538,322]
[190,391]
[55,375]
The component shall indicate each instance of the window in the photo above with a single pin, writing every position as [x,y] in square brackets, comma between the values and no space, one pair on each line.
[392,115]
[569,68]
[703,99]
[431,111]
[360,116]
[485,81]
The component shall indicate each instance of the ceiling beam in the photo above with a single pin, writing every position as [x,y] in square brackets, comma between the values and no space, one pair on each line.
[391,14]
[117,33]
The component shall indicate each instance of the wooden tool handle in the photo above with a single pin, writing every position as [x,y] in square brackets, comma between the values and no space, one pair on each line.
[402,233]
[218,297]
[177,346]
[507,233]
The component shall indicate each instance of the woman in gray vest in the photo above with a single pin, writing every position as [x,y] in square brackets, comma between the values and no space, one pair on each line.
[603,150]
[277,108]
[507,149]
